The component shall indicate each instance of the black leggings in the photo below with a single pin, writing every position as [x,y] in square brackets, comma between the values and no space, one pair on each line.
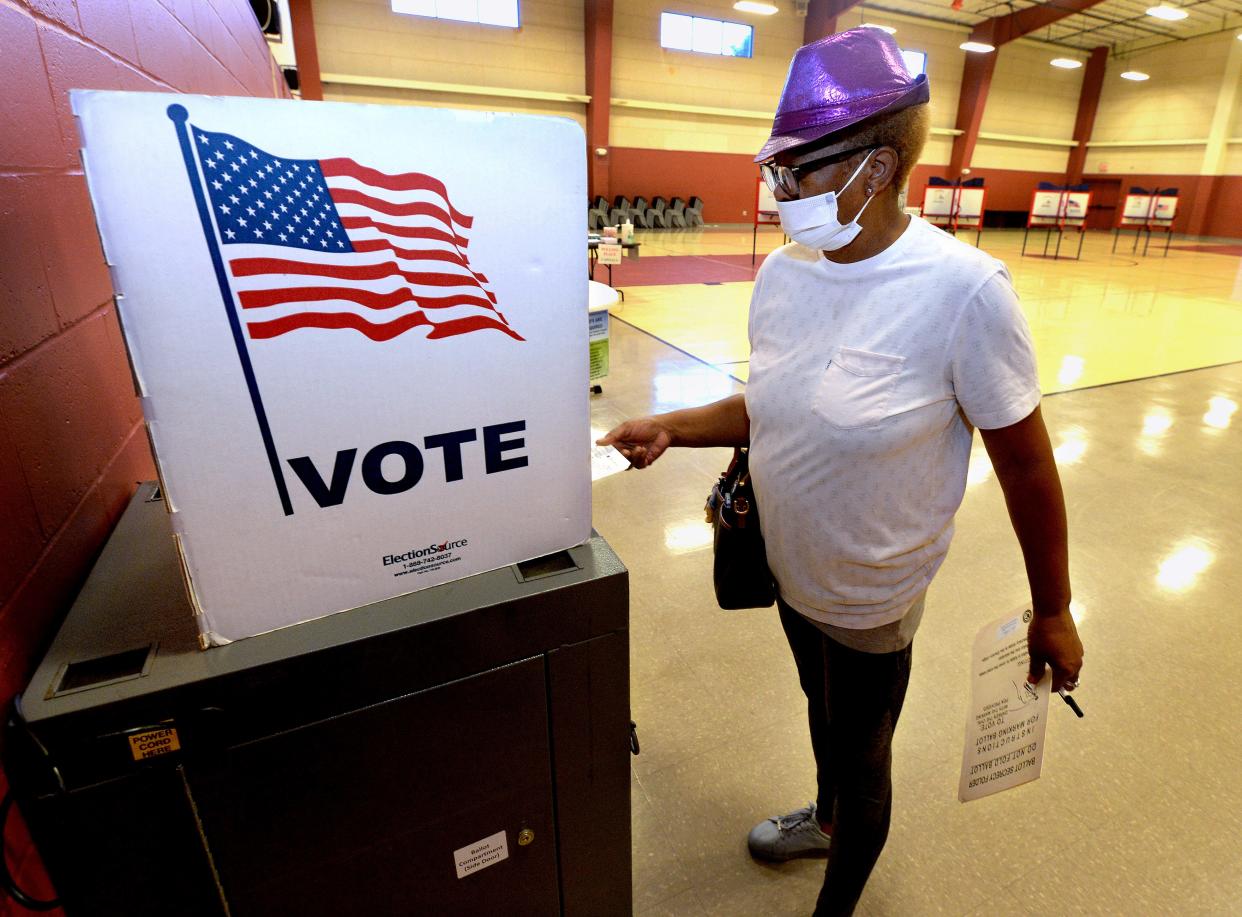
[853,702]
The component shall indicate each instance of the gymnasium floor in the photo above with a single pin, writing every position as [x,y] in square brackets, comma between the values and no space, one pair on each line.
[1139,808]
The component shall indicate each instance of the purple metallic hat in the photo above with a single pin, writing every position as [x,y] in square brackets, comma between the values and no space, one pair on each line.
[838,81]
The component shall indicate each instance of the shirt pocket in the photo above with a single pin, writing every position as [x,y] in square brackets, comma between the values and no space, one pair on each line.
[857,387]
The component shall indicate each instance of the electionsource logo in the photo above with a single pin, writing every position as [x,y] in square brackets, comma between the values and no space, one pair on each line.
[417,553]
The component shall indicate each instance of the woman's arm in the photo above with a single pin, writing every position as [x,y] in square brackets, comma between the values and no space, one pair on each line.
[1027,471]
[721,423]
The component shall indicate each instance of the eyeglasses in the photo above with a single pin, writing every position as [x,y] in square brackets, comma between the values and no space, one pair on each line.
[785,178]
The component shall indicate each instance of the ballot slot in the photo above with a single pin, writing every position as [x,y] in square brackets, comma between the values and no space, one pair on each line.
[86,674]
[548,565]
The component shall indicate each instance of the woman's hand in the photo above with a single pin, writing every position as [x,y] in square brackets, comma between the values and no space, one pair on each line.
[642,441]
[1053,640]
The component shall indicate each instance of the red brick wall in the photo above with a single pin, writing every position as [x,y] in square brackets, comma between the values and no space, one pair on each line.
[72,444]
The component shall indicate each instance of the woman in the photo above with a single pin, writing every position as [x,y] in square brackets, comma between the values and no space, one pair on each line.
[877,346]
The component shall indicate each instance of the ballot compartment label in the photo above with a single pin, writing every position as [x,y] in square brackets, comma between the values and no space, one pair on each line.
[481,854]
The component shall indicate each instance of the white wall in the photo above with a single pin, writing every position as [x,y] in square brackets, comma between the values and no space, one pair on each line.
[1031,98]
[366,38]
[644,71]
[1175,104]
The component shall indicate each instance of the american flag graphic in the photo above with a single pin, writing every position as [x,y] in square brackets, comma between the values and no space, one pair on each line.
[330,243]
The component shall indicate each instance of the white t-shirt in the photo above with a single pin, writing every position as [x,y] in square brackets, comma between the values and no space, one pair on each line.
[865,381]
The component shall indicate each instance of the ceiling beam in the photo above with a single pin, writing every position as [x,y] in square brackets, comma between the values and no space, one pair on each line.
[972,97]
[1088,105]
[978,68]
[821,18]
[1003,29]
[597,51]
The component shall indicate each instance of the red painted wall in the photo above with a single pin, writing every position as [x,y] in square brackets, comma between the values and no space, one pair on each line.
[726,182]
[72,444]
[1224,217]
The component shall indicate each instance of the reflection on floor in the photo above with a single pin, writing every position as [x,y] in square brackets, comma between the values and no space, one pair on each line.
[1105,318]
[1139,808]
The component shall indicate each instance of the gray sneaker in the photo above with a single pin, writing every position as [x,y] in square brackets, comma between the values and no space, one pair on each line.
[786,837]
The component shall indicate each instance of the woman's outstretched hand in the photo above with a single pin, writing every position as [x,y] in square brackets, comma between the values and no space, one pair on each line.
[642,441]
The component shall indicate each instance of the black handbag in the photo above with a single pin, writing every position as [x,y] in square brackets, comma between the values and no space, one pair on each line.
[740,571]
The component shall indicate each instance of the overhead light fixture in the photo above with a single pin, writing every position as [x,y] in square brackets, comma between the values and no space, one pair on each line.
[883,28]
[753,6]
[1136,75]
[1167,13]
[978,47]
[1066,63]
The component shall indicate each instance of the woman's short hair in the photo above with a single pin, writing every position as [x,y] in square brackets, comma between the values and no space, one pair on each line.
[905,131]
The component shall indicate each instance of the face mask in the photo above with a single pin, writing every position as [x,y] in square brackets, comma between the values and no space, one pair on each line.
[812,221]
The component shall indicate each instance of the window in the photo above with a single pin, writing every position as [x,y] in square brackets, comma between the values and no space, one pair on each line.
[916,61]
[707,36]
[487,12]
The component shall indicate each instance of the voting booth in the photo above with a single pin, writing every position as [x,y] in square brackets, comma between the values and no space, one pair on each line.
[358,650]
[955,206]
[1145,212]
[766,214]
[1058,209]
[361,373]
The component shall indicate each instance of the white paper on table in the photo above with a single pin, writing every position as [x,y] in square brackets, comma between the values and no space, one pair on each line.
[1008,716]
[609,252]
[605,460]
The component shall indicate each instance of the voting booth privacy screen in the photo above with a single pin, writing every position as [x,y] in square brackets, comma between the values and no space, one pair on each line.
[1059,208]
[361,372]
[1144,209]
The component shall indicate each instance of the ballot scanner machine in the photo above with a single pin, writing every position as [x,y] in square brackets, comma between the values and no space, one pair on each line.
[462,750]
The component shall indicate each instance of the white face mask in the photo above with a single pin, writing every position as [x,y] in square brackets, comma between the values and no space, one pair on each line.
[812,221]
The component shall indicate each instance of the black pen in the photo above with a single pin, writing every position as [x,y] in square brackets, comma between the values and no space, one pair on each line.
[1073,704]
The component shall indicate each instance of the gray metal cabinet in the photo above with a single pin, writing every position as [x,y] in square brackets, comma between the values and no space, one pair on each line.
[336,767]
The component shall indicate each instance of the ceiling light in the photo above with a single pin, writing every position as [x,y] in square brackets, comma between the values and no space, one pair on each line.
[1166,12]
[1137,75]
[977,46]
[752,6]
[891,31]
[1066,63]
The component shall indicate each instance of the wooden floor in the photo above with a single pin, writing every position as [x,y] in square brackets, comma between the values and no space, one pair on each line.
[1139,808]
[1101,319]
